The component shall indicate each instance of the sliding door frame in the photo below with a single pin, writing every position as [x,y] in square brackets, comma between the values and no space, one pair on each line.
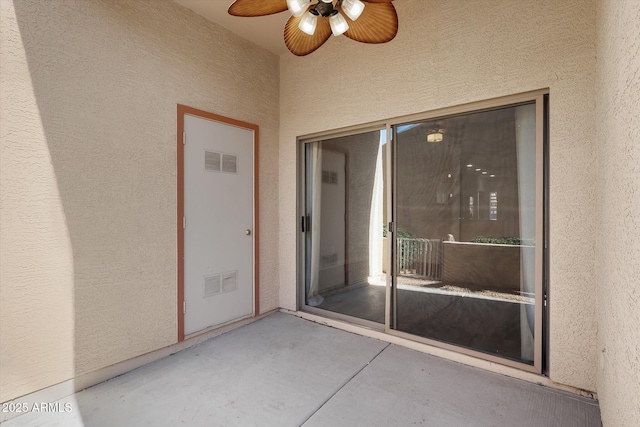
[541,238]
[302,212]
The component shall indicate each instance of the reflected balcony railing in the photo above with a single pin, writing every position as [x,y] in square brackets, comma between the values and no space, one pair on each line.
[420,257]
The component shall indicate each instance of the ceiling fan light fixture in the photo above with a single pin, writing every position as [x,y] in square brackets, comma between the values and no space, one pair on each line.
[435,135]
[297,7]
[338,24]
[304,33]
[308,23]
[352,8]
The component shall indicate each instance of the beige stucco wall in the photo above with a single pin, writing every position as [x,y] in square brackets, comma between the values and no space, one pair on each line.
[88,187]
[36,257]
[458,51]
[618,181]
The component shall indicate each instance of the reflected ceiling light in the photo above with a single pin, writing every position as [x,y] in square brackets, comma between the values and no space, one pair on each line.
[478,170]
[314,21]
[469,165]
[492,176]
[435,135]
[484,173]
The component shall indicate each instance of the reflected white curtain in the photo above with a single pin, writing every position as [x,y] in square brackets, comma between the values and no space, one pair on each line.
[376,223]
[526,152]
[313,297]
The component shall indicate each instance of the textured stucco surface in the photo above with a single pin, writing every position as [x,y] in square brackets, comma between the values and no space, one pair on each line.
[618,248]
[36,257]
[89,91]
[450,53]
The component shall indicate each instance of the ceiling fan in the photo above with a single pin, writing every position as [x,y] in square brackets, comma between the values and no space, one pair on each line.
[313,21]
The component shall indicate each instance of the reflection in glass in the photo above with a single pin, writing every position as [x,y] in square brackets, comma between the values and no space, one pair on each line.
[345,243]
[466,222]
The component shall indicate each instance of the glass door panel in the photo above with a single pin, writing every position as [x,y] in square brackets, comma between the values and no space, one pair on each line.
[345,243]
[466,218]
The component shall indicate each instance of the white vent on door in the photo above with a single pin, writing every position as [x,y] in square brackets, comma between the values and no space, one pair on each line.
[211,285]
[229,163]
[327,260]
[329,177]
[229,281]
[212,161]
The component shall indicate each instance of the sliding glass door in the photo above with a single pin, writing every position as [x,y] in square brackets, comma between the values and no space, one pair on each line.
[344,226]
[432,229]
[467,228]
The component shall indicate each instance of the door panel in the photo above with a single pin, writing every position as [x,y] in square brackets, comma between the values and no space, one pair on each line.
[219,223]
[345,237]
[466,235]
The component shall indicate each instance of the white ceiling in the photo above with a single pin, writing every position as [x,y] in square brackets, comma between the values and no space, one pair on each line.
[265,31]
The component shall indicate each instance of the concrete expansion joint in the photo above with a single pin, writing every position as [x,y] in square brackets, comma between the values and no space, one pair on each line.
[345,383]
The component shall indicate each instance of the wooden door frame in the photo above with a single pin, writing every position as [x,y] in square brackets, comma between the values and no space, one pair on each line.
[181,111]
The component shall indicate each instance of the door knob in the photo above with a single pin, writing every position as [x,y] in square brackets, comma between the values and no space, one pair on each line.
[247,232]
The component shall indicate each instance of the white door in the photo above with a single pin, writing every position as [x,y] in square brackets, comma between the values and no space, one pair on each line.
[219,215]
[333,219]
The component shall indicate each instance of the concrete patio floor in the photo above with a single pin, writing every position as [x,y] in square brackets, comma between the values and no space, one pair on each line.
[286,371]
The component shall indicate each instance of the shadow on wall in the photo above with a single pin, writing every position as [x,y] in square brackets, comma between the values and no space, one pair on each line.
[112,150]
[106,77]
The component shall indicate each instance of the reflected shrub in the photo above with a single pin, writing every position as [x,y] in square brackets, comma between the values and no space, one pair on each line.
[504,241]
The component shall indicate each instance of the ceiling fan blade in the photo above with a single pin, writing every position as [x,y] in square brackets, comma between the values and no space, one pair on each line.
[300,43]
[257,7]
[377,24]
